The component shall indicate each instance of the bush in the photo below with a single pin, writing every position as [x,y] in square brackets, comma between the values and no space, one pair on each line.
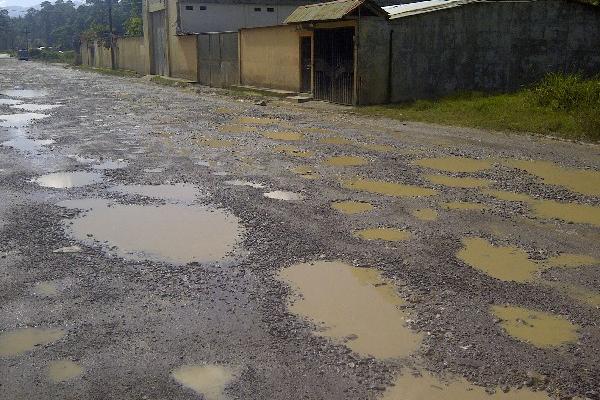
[52,55]
[567,92]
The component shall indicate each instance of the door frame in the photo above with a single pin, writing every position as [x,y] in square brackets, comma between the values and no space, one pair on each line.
[302,36]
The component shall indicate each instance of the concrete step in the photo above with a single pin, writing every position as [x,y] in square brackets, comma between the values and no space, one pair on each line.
[264,91]
[300,98]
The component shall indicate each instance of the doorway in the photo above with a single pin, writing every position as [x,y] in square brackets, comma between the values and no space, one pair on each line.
[334,65]
[158,36]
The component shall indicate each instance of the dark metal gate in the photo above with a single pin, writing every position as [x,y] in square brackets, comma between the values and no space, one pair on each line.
[334,65]
[305,64]
[158,65]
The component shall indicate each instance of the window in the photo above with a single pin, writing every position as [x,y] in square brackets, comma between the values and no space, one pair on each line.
[202,8]
[257,9]
[189,8]
[270,9]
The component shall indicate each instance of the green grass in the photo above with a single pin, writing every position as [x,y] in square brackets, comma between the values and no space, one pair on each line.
[161,80]
[67,57]
[567,106]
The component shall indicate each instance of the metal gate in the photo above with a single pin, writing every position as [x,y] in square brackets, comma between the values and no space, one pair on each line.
[158,65]
[334,65]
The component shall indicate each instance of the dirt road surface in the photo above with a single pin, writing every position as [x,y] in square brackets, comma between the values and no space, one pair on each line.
[177,243]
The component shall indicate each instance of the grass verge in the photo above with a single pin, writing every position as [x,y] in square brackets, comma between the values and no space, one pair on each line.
[566,106]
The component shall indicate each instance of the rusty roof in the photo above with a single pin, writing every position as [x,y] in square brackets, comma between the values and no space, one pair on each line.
[331,10]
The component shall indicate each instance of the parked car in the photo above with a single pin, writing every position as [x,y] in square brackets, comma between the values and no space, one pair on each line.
[23,55]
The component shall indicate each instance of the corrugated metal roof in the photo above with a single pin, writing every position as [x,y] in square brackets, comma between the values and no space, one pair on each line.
[405,10]
[323,11]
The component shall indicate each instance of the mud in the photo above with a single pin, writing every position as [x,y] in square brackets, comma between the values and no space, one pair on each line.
[386,234]
[63,370]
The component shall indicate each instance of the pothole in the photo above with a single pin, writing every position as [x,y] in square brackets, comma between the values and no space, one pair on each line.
[13,343]
[428,387]
[173,233]
[351,305]
[458,182]
[345,161]
[425,214]
[454,164]
[207,380]
[385,234]
[19,120]
[66,180]
[63,370]
[24,93]
[27,145]
[177,192]
[239,182]
[30,107]
[538,328]
[388,188]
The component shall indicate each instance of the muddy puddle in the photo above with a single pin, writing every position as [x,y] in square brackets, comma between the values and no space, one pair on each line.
[177,192]
[507,263]
[207,380]
[24,93]
[66,180]
[388,188]
[30,107]
[239,182]
[551,209]
[428,387]
[27,145]
[538,328]
[464,205]
[454,164]
[19,120]
[352,207]
[581,181]
[337,140]
[570,260]
[305,171]
[293,151]
[385,234]
[425,214]
[173,233]
[284,195]
[45,289]
[63,370]
[289,136]
[351,305]
[458,182]
[569,212]
[13,343]
[345,161]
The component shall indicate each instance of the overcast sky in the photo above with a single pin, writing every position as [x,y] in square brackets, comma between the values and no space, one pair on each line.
[22,3]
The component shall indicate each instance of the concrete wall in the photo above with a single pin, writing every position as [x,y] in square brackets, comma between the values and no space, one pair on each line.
[95,55]
[131,55]
[372,66]
[270,57]
[214,17]
[182,49]
[492,46]
[218,63]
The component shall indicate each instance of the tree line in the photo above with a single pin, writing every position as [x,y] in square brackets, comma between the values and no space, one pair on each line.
[63,24]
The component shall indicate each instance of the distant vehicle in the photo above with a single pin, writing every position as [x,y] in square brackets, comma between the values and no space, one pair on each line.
[23,55]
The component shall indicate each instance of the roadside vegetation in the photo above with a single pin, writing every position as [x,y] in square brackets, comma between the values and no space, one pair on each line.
[567,106]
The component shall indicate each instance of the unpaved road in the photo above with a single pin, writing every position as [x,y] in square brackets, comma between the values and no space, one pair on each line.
[450,265]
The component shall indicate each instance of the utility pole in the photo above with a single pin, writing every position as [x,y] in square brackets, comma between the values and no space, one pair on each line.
[110,35]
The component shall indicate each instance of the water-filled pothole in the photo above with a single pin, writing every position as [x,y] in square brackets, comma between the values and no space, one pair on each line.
[538,328]
[65,180]
[30,107]
[345,161]
[388,188]
[284,195]
[207,380]
[13,343]
[173,233]
[24,93]
[428,387]
[63,370]
[19,120]
[458,182]
[239,182]
[355,306]
[454,164]
[25,144]
[177,192]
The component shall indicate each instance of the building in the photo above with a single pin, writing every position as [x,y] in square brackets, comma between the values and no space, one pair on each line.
[172,27]
[355,52]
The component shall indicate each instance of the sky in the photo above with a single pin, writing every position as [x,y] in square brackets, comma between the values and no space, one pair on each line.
[22,3]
